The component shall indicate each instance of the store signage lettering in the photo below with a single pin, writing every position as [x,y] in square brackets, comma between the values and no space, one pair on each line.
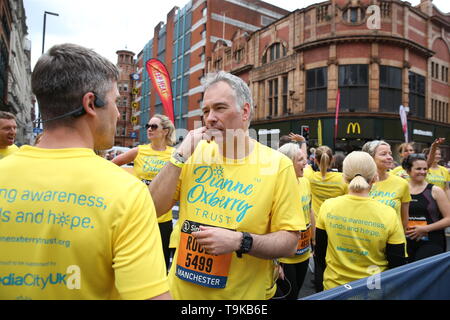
[353,127]
[423,133]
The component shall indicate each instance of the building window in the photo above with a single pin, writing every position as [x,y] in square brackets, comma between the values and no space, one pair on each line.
[316,90]
[239,54]
[439,111]
[390,88]
[353,84]
[273,97]
[274,52]
[322,13]
[218,64]
[416,95]
[353,15]
[4,58]
[285,94]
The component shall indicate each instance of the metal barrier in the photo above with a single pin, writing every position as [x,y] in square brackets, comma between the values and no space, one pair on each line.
[427,279]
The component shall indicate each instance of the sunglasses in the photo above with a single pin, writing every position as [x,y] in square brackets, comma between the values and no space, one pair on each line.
[151,126]
[417,156]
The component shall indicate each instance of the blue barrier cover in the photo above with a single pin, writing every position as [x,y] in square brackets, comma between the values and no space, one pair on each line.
[427,279]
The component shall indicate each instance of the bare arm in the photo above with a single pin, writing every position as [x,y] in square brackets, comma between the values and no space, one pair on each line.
[417,232]
[163,188]
[268,246]
[404,211]
[164,185]
[164,296]
[126,157]
[302,140]
[432,154]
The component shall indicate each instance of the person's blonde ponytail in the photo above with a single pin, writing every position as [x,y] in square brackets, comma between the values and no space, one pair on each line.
[359,169]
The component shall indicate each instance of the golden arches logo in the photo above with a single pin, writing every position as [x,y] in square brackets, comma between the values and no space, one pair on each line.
[353,126]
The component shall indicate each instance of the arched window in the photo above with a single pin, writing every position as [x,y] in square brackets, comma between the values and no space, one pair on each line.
[274,52]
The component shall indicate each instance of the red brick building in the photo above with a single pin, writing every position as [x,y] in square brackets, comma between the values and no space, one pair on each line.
[125,135]
[185,43]
[296,65]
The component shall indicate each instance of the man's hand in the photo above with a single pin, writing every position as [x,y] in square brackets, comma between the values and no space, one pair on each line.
[192,139]
[218,241]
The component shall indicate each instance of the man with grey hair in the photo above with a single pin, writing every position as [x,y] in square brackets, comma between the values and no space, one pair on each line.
[239,202]
[8,129]
[81,226]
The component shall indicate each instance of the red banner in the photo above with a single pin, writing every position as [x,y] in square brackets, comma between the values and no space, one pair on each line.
[338,104]
[161,82]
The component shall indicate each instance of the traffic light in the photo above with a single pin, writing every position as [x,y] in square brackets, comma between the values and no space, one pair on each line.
[304,131]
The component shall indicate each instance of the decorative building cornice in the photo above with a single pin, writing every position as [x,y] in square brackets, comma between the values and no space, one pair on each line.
[366,38]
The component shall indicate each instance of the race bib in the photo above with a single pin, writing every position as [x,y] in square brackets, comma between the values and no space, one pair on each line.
[304,243]
[417,221]
[197,266]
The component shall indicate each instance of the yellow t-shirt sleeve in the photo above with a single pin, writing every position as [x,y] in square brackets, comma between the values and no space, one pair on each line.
[138,260]
[397,234]
[286,209]
[406,194]
[320,223]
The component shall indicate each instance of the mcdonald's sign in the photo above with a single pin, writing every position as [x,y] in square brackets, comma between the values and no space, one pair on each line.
[135,105]
[354,127]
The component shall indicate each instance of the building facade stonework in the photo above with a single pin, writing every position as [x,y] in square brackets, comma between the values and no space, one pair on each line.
[297,65]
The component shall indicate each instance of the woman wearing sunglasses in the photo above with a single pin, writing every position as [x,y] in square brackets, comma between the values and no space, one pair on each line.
[429,212]
[149,159]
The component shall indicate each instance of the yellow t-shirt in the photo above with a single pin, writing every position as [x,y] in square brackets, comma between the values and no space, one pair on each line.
[304,244]
[75,226]
[331,186]
[147,165]
[358,229]
[258,194]
[400,172]
[8,151]
[392,192]
[439,177]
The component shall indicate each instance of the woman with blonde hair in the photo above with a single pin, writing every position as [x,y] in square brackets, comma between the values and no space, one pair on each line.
[390,190]
[325,184]
[149,159]
[355,234]
[404,150]
[295,267]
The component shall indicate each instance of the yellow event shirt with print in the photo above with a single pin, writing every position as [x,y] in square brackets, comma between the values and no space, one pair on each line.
[439,177]
[400,172]
[75,226]
[147,165]
[331,186]
[358,230]
[392,192]
[304,243]
[258,194]
[4,152]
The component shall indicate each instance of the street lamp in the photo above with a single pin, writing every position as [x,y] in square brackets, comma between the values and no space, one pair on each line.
[43,46]
[43,33]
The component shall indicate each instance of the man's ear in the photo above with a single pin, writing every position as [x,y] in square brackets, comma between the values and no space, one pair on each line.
[246,111]
[88,103]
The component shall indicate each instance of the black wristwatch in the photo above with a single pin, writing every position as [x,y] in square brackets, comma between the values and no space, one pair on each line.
[246,244]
